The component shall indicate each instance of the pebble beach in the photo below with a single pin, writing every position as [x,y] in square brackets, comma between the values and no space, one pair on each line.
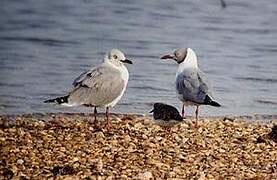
[67,146]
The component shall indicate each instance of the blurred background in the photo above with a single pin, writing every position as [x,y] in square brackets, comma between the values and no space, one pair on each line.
[45,45]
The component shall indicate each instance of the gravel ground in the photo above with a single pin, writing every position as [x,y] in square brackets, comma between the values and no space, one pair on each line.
[67,146]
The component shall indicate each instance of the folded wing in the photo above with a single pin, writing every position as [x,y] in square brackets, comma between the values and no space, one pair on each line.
[97,87]
[193,85]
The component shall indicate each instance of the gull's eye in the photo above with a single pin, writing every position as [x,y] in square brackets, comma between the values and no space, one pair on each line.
[115,56]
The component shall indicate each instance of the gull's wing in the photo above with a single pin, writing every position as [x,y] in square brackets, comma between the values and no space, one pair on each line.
[97,87]
[193,85]
[84,75]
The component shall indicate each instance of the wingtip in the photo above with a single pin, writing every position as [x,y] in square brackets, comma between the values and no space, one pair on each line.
[48,101]
[208,100]
[216,104]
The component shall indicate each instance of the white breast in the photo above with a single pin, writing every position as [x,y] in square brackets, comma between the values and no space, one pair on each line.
[125,76]
[180,95]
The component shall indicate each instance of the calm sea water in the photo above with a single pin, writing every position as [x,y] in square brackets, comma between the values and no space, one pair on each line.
[44,45]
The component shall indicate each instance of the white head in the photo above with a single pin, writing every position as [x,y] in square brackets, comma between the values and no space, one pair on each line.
[116,57]
[183,56]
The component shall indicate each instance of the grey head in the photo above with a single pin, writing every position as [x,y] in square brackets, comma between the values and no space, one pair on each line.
[178,55]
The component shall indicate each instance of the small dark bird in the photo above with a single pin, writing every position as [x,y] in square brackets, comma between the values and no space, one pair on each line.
[165,112]
[166,116]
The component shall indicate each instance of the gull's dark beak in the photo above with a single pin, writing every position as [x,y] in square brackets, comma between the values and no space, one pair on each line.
[127,61]
[151,111]
[168,56]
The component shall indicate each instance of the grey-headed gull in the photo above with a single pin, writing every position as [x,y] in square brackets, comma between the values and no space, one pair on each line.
[192,86]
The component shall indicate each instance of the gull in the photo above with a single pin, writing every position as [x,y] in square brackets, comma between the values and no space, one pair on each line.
[102,86]
[192,86]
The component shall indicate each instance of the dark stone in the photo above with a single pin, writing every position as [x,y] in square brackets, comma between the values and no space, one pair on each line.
[7,173]
[260,140]
[56,170]
[3,163]
[228,119]
[66,170]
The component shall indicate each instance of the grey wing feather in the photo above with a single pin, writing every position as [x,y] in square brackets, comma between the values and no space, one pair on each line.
[204,83]
[97,87]
[193,85]
[80,78]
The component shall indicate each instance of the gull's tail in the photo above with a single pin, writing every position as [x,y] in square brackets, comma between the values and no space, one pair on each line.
[59,100]
[208,100]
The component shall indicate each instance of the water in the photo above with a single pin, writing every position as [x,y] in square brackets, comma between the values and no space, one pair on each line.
[44,45]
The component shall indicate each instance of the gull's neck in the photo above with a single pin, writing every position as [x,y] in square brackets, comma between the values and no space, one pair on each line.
[113,64]
[119,66]
[189,62]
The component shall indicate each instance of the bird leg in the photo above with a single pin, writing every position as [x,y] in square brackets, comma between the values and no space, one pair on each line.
[196,114]
[95,116]
[107,118]
[183,111]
